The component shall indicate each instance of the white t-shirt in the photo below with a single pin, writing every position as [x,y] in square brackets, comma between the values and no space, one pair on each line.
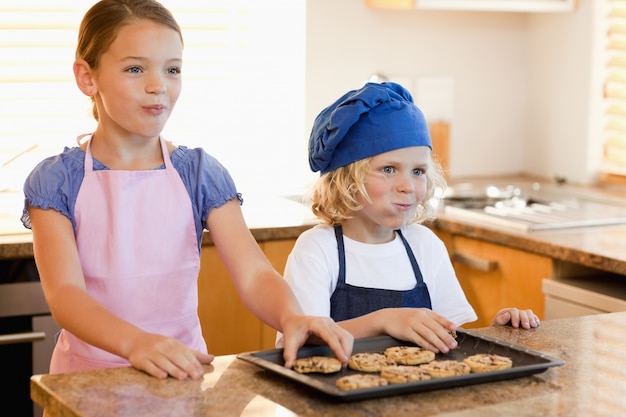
[312,270]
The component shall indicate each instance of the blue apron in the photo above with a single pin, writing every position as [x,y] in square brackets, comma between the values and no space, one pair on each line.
[349,301]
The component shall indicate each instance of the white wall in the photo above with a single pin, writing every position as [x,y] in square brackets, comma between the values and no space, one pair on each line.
[565,94]
[521,81]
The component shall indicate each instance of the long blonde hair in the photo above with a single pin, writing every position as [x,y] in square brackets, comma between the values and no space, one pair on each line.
[334,196]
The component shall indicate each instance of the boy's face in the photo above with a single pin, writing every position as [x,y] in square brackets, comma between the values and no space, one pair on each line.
[396,184]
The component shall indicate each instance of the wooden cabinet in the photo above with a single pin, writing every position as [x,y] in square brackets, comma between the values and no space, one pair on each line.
[391,4]
[528,6]
[492,277]
[495,276]
[228,326]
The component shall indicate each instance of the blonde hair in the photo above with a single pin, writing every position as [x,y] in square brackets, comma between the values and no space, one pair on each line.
[103,21]
[334,196]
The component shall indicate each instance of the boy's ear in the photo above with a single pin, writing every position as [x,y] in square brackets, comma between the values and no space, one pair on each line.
[85,78]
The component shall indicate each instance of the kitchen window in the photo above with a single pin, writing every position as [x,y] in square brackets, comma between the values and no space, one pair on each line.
[614,163]
[242,98]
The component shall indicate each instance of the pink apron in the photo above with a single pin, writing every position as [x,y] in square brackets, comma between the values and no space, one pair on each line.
[138,248]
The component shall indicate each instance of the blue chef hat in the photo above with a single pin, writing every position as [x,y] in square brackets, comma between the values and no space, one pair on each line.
[374,119]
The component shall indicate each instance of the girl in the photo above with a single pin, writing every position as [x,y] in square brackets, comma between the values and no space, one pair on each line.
[369,265]
[117,221]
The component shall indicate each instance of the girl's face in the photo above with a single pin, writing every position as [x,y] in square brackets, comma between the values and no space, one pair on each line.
[396,184]
[138,80]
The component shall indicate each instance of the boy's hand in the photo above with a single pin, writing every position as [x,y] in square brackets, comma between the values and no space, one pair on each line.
[421,326]
[514,317]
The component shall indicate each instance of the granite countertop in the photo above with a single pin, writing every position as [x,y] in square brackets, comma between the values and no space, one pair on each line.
[589,384]
[269,218]
[599,247]
[274,218]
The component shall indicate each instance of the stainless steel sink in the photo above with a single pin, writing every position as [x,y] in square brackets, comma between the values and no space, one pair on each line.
[529,208]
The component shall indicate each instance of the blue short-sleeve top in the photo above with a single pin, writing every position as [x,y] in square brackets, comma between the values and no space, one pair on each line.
[54,183]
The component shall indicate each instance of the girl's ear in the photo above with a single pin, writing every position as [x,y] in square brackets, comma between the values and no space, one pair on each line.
[85,78]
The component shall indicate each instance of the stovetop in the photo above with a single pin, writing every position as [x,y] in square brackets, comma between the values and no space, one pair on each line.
[533,210]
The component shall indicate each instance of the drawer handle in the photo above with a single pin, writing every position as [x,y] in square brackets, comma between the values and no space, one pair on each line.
[475,262]
[16,338]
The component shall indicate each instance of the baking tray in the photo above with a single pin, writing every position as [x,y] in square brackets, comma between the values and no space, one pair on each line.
[525,362]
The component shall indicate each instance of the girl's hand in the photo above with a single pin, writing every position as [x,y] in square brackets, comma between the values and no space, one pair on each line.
[300,329]
[162,356]
[514,317]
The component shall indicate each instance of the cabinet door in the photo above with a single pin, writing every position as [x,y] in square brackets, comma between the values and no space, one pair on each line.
[228,326]
[277,252]
[495,276]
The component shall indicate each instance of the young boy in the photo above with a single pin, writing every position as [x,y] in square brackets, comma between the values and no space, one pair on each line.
[370,264]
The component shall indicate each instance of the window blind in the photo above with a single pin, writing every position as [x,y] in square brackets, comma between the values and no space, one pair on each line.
[614,155]
[243,85]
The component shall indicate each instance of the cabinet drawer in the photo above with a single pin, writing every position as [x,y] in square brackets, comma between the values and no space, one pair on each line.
[583,296]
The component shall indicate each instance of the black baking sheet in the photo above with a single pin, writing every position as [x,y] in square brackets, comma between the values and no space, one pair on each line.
[525,362]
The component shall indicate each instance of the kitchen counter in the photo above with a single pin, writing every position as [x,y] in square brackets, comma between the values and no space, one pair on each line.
[600,247]
[269,218]
[589,384]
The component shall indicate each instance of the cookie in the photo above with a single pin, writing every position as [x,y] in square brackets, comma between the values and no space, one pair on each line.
[409,355]
[360,381]
[317,364]
[446,368]
[485,362]
[404,373]
[369,362]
